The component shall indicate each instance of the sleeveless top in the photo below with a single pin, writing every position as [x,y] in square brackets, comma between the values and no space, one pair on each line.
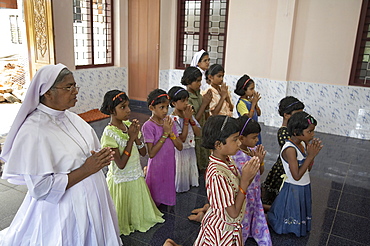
[301,157]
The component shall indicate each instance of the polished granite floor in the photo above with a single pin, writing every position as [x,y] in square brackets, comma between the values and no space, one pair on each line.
[340,181]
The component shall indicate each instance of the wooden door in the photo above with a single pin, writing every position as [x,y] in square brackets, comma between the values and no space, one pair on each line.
[143,47]
[39,29]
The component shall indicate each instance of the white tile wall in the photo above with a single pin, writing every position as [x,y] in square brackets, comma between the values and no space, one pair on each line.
[95,83]
[339,110]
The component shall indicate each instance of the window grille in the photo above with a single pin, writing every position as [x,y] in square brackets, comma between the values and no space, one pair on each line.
[202,24]
[91,17]
[360,72]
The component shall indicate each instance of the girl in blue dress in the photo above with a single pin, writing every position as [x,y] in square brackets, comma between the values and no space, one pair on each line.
[291,211]
[248,101]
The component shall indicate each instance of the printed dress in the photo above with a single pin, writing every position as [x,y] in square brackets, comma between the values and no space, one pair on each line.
[201,153]
[218,228]
[161,170]
[254,221]
[243,106]
[273,181]
[131,196]
[186,160]
[291,211]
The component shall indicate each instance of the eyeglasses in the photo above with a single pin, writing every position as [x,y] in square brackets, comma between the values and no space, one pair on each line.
[69,88]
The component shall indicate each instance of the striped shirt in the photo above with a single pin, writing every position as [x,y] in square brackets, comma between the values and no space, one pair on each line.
[218,228]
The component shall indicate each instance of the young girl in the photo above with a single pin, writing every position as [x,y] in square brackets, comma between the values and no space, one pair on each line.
[191,79]
[287,107]
[135,207]
[254,221]
[161,137]
[221,103]
[221,224]
[201,61]
[248,101]
[291,210]
[187,127]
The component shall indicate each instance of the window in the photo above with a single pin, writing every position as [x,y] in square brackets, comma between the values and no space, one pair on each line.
[93,25]
[202,24]
[15,31]
[360,72]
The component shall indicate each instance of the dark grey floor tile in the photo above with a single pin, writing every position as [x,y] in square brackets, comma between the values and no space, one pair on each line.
[129,241]
[333,198]
[327,220]
[186,202]
[338,241]
[176,228]
[288,239]
[353,204]
[356,190]
[351,227]
[337,185]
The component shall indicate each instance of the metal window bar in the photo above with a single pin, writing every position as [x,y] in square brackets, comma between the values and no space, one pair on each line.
[96,16]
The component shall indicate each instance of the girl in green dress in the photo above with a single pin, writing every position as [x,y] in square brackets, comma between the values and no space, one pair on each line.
[134,204]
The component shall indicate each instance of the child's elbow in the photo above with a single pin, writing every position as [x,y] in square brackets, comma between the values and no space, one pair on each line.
[179,147]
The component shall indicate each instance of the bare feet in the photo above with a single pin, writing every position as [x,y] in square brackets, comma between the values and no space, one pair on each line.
[196,217]
[170,242]
[204,209]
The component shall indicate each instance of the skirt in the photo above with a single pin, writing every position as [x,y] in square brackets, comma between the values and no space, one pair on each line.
[135,207]
[186,170]
[291,211]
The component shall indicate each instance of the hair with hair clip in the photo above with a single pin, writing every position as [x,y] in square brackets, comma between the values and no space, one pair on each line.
[249,126]
[214,69]
[157,96]
[298,122]
[111,100]
[289,104]
[218,128]
[190,75]
[177,93]
[242,85]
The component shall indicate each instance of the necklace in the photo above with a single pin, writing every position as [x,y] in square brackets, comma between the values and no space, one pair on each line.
[124,131]
[69,135]
[247,152]
[152,120]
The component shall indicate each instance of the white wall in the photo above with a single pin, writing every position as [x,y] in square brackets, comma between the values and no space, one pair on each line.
[324,39]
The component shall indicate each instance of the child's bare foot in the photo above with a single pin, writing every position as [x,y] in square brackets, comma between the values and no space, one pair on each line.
[203,209]
[196,217]
[170,242]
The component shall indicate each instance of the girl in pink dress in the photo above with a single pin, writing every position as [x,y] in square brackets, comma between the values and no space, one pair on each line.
[161,138]
[254,221]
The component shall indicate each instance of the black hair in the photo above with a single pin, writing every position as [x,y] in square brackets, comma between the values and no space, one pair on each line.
[190,75]
[251,127]
[203,55]
[218,128]
[177,93]
[298,122]
[157,96]
[214,69]
[111,100]
[242,86]
[289,104]
[62,74]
